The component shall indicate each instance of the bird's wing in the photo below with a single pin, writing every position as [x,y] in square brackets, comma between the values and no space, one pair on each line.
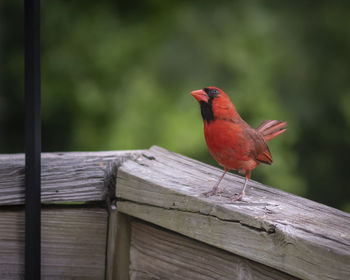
[260,150]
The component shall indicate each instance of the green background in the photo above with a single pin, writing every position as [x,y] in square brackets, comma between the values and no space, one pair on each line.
[117,75]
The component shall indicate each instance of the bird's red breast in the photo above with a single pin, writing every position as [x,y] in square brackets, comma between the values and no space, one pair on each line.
[230,140]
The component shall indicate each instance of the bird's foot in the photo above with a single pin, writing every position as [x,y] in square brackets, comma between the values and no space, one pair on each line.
[212,192]
[237,197]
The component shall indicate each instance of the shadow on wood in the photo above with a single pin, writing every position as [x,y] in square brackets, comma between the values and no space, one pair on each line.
[159,254]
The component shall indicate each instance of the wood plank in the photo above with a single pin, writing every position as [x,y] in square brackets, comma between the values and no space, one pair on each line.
[159,254]
[118,247]
[74,176]
[73,243]
[289,233]
[111,241]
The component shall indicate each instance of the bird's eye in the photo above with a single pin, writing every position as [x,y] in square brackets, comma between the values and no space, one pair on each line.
[212,92]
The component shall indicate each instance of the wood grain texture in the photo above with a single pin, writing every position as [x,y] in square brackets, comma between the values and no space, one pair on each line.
[300,237]
[159,254]
[74,176]
[118,247]
[111,242]
[73,243]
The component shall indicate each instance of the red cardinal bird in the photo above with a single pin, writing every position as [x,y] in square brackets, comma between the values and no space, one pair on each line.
[230,140]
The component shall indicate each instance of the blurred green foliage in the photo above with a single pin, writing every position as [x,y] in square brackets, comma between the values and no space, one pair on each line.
[117,75]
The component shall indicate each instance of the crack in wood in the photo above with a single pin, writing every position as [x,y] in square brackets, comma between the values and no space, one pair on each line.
[270,230]
[149,157]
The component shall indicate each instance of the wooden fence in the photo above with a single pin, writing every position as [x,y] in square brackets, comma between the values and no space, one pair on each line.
[141,215]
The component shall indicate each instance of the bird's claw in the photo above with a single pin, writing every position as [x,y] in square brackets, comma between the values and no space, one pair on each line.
[238,197]
[211,193]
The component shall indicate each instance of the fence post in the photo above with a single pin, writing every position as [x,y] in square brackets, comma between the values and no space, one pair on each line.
[32,138]
[118,245]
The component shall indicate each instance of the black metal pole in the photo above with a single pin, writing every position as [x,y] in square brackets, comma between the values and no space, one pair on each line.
[32,138]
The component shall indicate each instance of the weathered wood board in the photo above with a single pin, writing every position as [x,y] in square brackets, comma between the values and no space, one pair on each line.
[73,243]
[159,254]
[300,237]
[118,248]
[73,176]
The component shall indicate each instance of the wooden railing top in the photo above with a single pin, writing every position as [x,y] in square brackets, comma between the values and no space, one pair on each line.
[292,234]
[72,176]
[303,238]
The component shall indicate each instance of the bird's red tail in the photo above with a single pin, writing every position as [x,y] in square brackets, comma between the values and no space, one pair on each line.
[270,129]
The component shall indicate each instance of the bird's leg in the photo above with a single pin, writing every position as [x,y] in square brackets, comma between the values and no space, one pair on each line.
[241,195]
[215,189]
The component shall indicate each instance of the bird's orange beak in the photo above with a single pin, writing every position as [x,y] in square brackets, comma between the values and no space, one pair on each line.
[200,95]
